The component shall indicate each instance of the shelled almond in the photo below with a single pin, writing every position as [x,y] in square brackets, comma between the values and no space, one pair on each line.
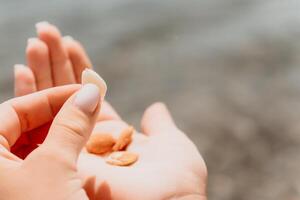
[105,143]
[90,76]
[122,158]
[100,143]
[124,139]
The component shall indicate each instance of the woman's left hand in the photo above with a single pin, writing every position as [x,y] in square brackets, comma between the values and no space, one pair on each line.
[50,171]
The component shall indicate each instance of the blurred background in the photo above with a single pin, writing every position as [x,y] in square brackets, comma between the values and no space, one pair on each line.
[228,70]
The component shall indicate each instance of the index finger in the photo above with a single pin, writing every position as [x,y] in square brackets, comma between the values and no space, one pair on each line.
[25,113]
[62,69]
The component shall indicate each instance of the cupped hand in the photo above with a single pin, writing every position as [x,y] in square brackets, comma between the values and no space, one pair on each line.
[169,165]
[50,171]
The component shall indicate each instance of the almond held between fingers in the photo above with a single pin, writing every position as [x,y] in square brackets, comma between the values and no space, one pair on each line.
[90,76]
[100,143]
[124,139]
[122,158]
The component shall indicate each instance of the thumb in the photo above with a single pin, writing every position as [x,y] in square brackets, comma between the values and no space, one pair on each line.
[74,123]
[157,120]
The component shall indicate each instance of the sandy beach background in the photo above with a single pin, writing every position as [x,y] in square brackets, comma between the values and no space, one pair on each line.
[228,70]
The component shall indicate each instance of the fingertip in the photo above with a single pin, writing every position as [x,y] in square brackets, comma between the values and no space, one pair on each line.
[41,24]
[36,48]
[155,109]
[88,98]
[157,106]
[24,80]
[31,40]
[47,31]
[73,46]
[19,68]
[68,38]
[156,118]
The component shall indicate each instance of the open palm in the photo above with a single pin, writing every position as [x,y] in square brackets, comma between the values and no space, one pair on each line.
[169,165]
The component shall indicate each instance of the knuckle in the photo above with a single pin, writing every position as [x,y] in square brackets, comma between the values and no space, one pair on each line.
[74,128]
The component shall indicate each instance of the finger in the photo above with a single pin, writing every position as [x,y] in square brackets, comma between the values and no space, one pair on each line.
[80,61]
[3,142]
[157,120]
[74,123]
[62,70]
[29,141]
[38,60]
[5,153]
[25,113]
[88,183]
[103,191]
[108,113]
[24,80]
[77,55]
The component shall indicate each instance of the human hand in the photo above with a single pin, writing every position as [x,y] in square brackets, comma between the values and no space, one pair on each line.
[49,172]
[169,167]
[52,61]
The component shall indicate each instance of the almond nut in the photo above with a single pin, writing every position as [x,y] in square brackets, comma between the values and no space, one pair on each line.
[100,143]
[124,139]
[122,158]
[90,76]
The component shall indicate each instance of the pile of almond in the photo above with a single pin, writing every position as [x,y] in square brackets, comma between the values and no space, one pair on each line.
[105,144]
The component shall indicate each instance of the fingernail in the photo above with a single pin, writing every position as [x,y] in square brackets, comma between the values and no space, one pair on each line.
[18,66]
[88,98]
[41,24]
[68,38]
[31,40]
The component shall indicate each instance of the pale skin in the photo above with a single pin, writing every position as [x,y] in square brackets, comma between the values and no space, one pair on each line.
[50,171]
[169,165]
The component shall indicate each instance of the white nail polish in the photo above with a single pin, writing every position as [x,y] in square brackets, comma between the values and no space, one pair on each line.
[18,66]
[31,40]
[68,38]
[88,98]
[41,24]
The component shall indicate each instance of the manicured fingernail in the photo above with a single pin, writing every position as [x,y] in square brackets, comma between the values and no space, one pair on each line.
[88,98]
[31,40]
[42,24]
[68,38]
[18,67]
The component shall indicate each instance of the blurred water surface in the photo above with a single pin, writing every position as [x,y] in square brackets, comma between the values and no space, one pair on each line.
[228,70]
